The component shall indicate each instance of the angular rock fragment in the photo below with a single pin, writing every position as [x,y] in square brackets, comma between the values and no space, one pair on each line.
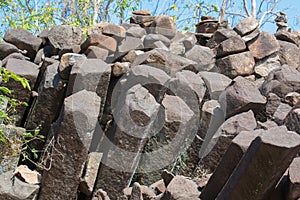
[262,166]
[128,44]
[108,29]
[294,180]
[292,98]
[67,61]
[266,65]
[273,101]
[281,113]
[241,96]
[231,46]
[100,40]
[203,56]
[289,54]
[292,121]
[287,36]
[251,36]
[26,174]
[24,41]
[74,132]
[118,68]
[136,193]
[100,195]
[13,55]
[6,49]
[164,25]
[136,32]
[246,26]
[264,45]
[150,39]
[96,52]
[220,36]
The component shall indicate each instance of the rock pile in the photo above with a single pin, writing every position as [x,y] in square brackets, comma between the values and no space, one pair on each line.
[143,111]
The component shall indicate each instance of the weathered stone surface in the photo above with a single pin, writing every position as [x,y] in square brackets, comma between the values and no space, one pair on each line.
[27,70]
[207,26]
[251,36]
[150,39]
[6,49]
[128,44]
[181,188]
[91,171]
[246,26]
[204,57]
[100,195]
[120,68]
[177,48]
[281,113]
[96,52]
[23,40]
[136,32]
[240,96]
[100,40]
[27,175]
[282,81]
[9,154]
[67,61]
[231,46]
[141,12]
[266,65]
[74,132]
[216,144]
[134,115]
[142,20]
[289,54]
[264,45]
[65,36]
[189,40]
[292,121]
[12,188]
[136,193]
[215,83]
[108,29]
[91,75]
[131,56]
[13,55]
[168,62]
[273,101]
[292,98]
[219,36]
[164,25]
[147,192]
[287,36]
[241,64]
[294,180]
[262,166]
[46,51]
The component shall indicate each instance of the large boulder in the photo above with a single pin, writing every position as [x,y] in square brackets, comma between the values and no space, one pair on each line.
[24,41]
[232,45]
[289,54]
[247,25]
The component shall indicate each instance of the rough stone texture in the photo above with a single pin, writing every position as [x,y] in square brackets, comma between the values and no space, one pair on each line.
[231,46]
[246,26]
[120,68]
[67,61]
[216,144]
[23,40]
[91,171]
[12,188]
[13,55]
[281,113]
[241,64]
[240,96]
[128,44]
[47,105]
[292,98]
[6,49]
[282,81]
[294,180]
[65,36]
[100,195]
[108,29]
[164,25]
[262,166]
[292,121]
[266,65]
[136,193]
[96,52]
[168,62]
[134,117]
[289,54]
[251,36]
[215,83]
[264,45]
[91,75]
[150,39]
[74,132]
[181,188]
[219,36]
[136,32]
[287,36]
[273,101]
[100,40]
[27,70]
[27,175]
[143,21]
[203,56]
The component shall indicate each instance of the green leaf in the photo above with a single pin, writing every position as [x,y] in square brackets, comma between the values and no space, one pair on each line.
[5,90]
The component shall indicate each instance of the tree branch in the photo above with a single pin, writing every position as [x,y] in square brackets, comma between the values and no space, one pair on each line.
[246,7]
[253,3]
[237,14]
[267,12]
[222,11]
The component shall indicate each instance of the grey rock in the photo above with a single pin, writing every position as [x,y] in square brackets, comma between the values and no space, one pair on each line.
[6,49]
[108,29]
[13,55]
[292,98]
[266,65]
[128,44]
[289,54]
[150,39]
[287,36]
[281,113]
[96,52]
[131,56]
[23,40]
[273,101]
[294,180]
[65,36]
[177,48]
[231,46]
[136,193]
[241,64]
[293,119]
[136,32]
[247,25]
[241,96]
[251,36]
[204,57]
[164,25]
[215,83]
[219,36]
[74,136]
[67,61]
[264,45]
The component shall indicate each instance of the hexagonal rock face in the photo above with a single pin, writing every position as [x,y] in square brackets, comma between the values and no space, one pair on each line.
[74,131]
[181,188]
[247,25]
[241,64]
[240,96]
[265,45]
[65,36]
[24,41]
[282,81]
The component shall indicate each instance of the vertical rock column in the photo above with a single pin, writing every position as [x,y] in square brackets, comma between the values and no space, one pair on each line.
[74,133]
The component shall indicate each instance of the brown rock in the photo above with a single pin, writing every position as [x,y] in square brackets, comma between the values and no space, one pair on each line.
[231,46]
[281,113]
[287,36]
[141,12]
[108,29]
[142,20]
[292,98]
[241,64]
[118,68]
[26,174]
[265,45]
[246,26]
[99,40]
[136,193]
[289,54]
[164,25]
[100,195]
[96,52]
